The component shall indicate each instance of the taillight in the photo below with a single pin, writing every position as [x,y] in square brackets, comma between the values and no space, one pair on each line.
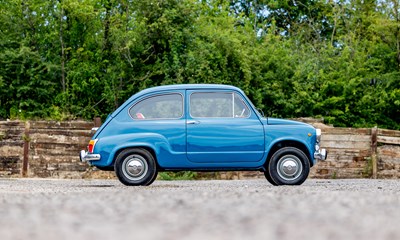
[91,145]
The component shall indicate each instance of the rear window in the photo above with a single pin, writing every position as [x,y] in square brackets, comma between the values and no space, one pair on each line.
[167,106]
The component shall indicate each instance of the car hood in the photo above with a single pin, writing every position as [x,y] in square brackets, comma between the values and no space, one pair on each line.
[278,121]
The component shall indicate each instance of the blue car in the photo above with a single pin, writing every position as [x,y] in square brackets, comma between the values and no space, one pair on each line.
[201,127]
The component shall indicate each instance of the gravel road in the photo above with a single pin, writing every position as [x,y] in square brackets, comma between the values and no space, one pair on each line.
[238,209]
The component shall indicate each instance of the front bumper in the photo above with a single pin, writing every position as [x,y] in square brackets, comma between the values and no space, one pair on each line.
[321,154]
[85,156]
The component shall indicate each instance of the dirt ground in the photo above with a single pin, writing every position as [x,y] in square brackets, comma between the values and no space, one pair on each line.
[238,209]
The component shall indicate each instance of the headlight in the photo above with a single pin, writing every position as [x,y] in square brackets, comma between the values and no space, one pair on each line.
[316,147]
[318,134]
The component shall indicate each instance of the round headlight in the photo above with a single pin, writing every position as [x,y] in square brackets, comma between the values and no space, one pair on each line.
[316,147]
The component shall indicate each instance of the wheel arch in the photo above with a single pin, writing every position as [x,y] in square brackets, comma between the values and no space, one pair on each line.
[147,148]
[289,143]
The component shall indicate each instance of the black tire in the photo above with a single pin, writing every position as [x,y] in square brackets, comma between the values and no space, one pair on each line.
[289,166]
[269,179]
[135,167]
[153,179]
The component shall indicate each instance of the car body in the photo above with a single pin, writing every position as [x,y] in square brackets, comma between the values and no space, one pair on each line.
[201,127]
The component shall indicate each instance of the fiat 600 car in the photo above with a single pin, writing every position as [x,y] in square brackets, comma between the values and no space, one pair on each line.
[201,127]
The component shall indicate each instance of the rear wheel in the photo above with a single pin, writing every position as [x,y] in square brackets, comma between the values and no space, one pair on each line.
[135,167]
[153,179]
[289,166]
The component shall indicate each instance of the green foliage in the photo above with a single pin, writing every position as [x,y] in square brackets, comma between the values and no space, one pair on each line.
[79,59]
[183,175]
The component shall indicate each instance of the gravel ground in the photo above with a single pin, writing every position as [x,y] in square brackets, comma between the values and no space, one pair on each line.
[237,209]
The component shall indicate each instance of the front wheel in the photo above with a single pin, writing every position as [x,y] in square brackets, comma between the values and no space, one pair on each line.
[135,167]
[269,179]
[289,166]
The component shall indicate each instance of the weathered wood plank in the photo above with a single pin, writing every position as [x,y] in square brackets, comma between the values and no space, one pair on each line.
[351,131]
[388,133]
[389,140]
[61,125]
[346,144]
[64,132]
[346,137]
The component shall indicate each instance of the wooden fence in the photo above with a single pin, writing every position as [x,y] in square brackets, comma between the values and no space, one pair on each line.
[357,153]
[50,149]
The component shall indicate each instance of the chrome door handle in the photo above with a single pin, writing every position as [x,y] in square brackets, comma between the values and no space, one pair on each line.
[192,122]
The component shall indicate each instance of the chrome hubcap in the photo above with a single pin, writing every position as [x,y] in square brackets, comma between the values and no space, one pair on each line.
[289,167]
[135,167]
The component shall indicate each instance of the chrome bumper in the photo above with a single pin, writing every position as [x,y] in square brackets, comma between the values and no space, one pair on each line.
[85,156]
[321,154]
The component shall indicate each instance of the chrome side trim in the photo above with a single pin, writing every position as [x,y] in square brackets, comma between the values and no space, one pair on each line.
[85,156]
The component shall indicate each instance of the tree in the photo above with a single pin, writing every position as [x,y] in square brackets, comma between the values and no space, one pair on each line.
[68,59]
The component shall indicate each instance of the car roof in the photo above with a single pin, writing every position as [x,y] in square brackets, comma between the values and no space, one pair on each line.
[174,87]
[188,87]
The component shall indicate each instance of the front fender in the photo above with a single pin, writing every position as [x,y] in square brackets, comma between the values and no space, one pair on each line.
[303,135]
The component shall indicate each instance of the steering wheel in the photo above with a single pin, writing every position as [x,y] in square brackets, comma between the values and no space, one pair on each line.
[139,116]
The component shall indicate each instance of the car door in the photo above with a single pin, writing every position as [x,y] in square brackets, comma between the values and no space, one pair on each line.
[221,128]
[161,116]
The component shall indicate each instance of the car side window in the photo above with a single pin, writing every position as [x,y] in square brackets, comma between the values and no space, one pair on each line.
[167,106]
[218,105]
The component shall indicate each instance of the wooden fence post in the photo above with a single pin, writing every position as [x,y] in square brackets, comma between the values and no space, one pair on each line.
[374,149]
[97,122]
[26,149]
